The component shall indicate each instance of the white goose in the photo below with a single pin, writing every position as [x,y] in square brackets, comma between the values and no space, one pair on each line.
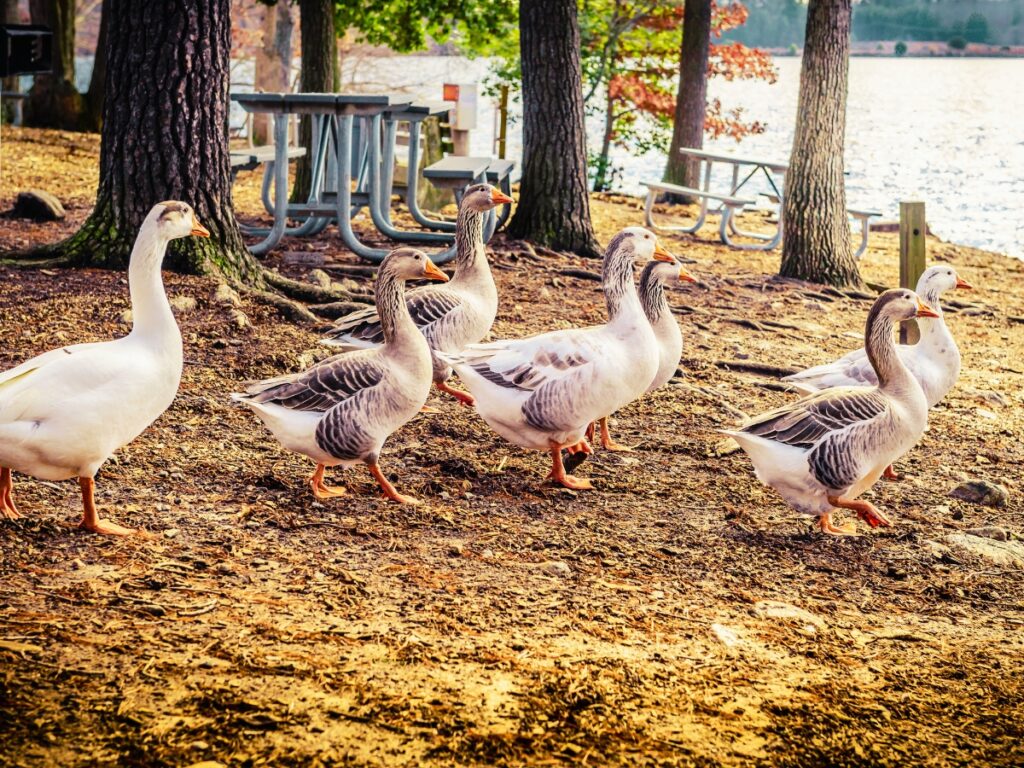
[541,392]
[825,450]
[653,279]
[450,316]
[934,361]
[64,413]
[342,410]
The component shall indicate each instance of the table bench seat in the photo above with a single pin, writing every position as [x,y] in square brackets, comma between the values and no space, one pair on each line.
[675,189]
[252,158]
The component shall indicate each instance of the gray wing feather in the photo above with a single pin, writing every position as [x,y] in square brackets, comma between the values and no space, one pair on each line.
[426,306]
[323,386]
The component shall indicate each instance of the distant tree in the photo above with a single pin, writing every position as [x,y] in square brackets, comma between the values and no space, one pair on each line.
[318,73]
[53,101]
[691,94]
[273,61]
[957,43]
[900,49]
[554,207]
[92,112]
[976,28]
[816,230]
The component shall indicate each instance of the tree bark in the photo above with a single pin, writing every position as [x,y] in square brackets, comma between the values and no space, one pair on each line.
[53,101]
[319,73]
[691,96]
[165,138]
[554,208]
[816,230]
[273,62]
[92,114]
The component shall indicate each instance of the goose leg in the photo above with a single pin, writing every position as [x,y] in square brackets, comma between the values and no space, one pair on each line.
[388,488]
[865,510]
[321,490]
[90,519]
[589,436]
[558,474]
[891,474]
[463,397]
[827,526]
[7,509]
[606,438]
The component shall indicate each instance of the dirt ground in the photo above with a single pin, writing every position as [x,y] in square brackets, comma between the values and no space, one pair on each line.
[679,614]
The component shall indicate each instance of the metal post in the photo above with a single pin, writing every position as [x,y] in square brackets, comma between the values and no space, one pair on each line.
[912,257]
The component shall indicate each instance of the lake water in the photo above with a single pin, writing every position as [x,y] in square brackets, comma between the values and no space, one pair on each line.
[946,131]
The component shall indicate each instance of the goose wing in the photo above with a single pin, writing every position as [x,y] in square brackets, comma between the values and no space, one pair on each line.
[427,305]
[529,364]
[806,422]
[325,385]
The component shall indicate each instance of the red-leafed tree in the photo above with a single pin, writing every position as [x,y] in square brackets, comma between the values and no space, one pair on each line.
[631,60]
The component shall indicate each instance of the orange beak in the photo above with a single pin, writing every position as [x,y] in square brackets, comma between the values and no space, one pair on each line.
[923,310]
[660,254]
[431,272]
[686,277]
[961,283]
[498,197]
[198,229]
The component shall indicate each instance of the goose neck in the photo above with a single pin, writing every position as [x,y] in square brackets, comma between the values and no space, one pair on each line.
[470,257]
[395,322]
[151,312]
[620,294]
[881,350]
[652,294]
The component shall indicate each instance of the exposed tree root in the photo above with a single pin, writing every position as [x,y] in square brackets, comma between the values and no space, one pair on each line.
[305,291]
[336,309]
[36,260]
[291,310]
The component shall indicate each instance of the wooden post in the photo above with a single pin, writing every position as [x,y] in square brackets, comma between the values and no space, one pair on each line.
[503,122]
[912,257]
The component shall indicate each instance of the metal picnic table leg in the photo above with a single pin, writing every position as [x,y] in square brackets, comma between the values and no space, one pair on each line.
[412,186]
[280,187]
[377,194]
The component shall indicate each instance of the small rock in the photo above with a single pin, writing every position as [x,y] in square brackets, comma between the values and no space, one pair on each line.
[544,293]
[182,305]
[321,278]
[944,509]
[226,295]
[171,533]
[126,317]
[993,532]
[726,635]
[981,492]
[38,205]
[456,549]
[996,552]
[240,319]
[985,413]
[556,568]
[992,398]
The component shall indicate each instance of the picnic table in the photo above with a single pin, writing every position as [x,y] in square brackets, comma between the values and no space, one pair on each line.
[743,171]
[353,135]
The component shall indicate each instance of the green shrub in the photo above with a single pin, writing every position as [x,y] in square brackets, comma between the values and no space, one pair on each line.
[957,43]
[900,49]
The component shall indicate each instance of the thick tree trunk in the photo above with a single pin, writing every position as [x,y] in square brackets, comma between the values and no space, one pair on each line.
[54,102]
[319,73]
[92,114]
[553,209]
[273,62]
[165,137]
[691,96]
[816,235]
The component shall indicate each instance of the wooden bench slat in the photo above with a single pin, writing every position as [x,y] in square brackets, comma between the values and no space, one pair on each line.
[691,192]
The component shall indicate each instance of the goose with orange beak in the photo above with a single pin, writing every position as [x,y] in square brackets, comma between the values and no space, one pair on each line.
[934,360]
[656,275]
[823,451]
[64,413]
[343,409]
[542,392]
[453,315]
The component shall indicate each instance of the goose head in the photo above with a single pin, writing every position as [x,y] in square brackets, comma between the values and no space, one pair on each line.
[643,245]
[172,219]
[898,304]
[936,280]
[411,264]
[669,272]
[483,197]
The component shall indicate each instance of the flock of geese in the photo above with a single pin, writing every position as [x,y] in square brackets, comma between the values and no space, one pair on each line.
[64,413]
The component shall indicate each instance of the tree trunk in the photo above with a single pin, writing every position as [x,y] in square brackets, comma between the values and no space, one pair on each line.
[9,15]
[816,230]
[319,73]
[165,137]
[92,115]
[691,96]
[54,102]
[553,209]
[602,173]
[273,62]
